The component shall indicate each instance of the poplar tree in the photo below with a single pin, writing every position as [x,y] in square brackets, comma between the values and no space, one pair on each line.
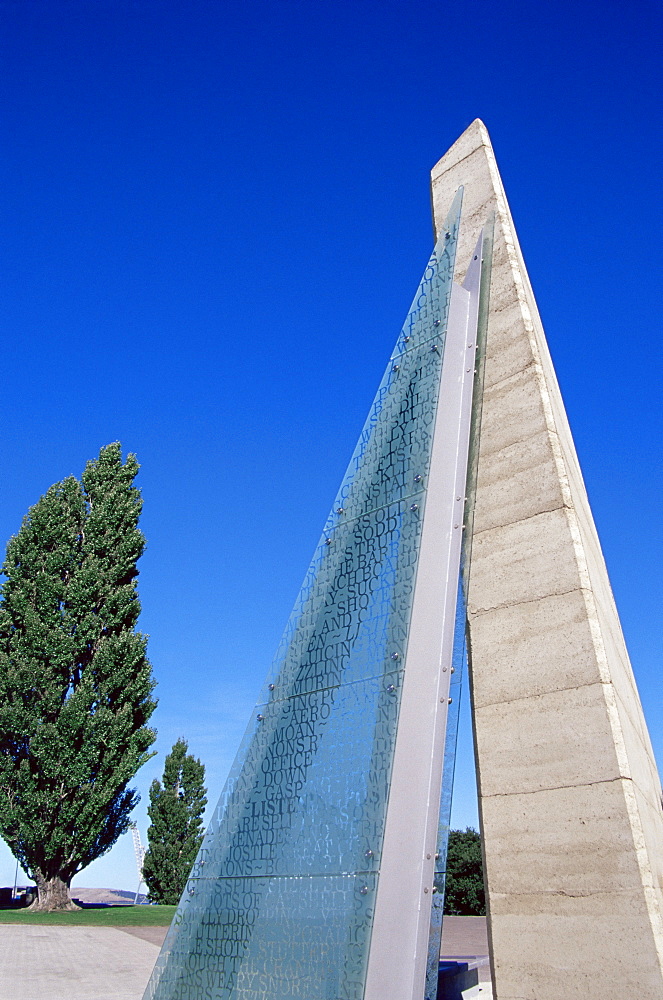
[464,892]
[75,682]
[176,831]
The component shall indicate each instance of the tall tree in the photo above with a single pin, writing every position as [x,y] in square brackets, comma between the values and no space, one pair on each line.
[176,831]
[75,683]
[464,893]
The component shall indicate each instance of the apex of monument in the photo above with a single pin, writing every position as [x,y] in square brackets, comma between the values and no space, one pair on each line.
[473,138]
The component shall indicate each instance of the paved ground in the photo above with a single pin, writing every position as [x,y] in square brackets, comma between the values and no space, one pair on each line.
[109,963]
[466,939]
[74,963]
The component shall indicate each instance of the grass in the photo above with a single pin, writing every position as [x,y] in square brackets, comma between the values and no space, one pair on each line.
[106,916]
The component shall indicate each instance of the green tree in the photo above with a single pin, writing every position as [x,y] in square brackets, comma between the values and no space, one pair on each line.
[176,831]
[75,683]
[464,893]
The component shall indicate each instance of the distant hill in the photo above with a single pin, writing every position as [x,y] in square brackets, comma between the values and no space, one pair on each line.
[106,897]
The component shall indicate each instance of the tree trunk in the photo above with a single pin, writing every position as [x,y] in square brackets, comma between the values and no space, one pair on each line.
[53,894]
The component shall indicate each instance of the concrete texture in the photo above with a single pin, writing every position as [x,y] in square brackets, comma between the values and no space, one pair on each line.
[570,799]
[39,962]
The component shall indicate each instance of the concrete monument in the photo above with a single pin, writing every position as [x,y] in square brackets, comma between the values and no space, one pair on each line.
[570,797]
[322,872]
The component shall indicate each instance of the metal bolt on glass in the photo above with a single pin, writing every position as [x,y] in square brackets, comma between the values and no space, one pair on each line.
[260,717]
[391,688]
[414,507]
[271,687]
[396,368]
[395,656]
[368,853]
[417,479]
[340,510]
[327,541]
[363,890]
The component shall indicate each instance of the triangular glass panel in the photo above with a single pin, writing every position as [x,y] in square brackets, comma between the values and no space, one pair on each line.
[280,900]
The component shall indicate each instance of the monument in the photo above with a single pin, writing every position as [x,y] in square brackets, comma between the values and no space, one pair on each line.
[322,872]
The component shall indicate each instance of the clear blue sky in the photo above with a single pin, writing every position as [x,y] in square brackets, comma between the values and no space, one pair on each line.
[214,216]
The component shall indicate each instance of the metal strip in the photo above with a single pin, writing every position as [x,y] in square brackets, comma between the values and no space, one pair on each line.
[399,941]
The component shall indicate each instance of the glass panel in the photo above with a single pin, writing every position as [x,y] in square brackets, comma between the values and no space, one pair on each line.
[308,799]
[392,457]
[255,938]
[356,616]
[290,862]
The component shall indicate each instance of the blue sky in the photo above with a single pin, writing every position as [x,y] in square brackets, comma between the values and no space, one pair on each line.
[214,216]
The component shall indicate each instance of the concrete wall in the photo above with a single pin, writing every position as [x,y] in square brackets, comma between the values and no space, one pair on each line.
[570,799]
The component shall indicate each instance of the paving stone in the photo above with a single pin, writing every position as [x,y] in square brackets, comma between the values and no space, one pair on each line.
[73,963]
